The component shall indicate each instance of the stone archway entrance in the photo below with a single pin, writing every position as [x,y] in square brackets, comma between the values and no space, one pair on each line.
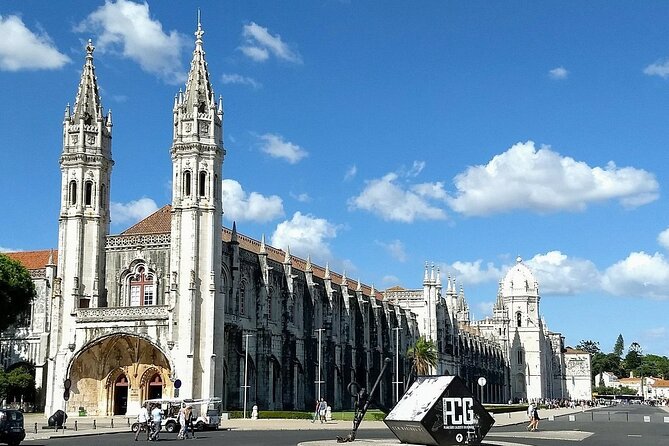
[115,374]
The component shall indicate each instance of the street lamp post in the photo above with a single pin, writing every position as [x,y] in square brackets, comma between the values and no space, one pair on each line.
[397,363]
[482,382]
[246,369]
[320,354]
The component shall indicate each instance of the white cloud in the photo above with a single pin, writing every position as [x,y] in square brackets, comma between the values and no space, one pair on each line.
[259,44]
[302,198]
[241,206]
[305,235]
[416,168]
[21,49]
[656,333]
[557,273]
[472,272]
[390,280]
[277,147]
[350,172]
[126,28]
[558,73]
[133,211]
[484,309]
[395,248]
[639,275]
[387,198]
[663,239]
[659,68]
[228,78]
[544,181]
[3,249]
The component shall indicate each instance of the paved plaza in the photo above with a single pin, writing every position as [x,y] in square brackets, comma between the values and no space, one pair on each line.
[601,426]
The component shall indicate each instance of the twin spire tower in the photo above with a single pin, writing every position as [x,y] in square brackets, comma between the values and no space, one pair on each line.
[193,285]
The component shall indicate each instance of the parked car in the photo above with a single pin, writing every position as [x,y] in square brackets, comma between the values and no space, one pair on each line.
[12,431]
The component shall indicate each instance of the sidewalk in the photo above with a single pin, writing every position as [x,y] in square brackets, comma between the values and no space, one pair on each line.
[89,425]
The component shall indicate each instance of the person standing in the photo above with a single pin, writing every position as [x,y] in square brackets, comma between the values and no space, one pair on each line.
[157,418]
[142,421]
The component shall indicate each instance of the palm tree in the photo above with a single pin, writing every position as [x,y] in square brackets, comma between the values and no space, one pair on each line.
[423,355]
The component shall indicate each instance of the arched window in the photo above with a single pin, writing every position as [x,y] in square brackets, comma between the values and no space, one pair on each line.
[202,184]
[187,181]
[519,319]
[73,192]
[142,287]
[88,193]
[520,356]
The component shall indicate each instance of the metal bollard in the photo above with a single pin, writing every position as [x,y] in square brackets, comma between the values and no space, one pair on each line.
[94,425]
[76,427]
[35,427]
[112,423]
[128,421]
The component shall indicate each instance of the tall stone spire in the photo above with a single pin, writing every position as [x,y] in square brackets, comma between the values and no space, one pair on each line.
[195,251]
[199,93]
[87,105]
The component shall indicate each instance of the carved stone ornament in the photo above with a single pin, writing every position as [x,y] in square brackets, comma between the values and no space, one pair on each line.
[74,138]
[188,127]
[90,139]
[204,128]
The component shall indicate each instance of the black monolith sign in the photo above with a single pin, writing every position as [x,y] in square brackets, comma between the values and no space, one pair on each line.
[439,411]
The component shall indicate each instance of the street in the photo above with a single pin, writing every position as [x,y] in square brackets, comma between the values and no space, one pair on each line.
[608,426]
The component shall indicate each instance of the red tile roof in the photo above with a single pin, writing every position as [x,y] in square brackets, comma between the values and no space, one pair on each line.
[159,222]
[32,260]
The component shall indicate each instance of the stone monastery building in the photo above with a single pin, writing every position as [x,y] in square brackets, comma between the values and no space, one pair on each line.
[177,298]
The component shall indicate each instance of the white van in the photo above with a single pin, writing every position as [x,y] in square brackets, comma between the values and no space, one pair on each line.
[206,412]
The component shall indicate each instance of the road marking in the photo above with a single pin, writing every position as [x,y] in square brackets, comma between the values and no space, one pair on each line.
[545,435]
[634,435]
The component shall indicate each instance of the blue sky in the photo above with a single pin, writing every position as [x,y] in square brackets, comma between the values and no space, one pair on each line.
[378,136]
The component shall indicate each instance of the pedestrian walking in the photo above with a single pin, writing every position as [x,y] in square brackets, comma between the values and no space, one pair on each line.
[181,419]
[189,421]
[315,416]
[322,409]
[535,419]
[530,416]
[142,421]
[156,418]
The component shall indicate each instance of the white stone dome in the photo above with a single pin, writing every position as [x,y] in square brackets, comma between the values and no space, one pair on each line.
[519,281]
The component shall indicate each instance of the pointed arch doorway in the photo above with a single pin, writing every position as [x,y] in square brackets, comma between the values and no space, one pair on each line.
[121,395]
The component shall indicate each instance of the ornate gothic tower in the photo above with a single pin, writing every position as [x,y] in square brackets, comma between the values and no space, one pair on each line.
[85,166]
[196,235]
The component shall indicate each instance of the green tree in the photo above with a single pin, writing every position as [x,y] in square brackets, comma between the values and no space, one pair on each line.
[633,359]
[619,347]
[16,291]
[423,355]
[16,384]
[591,347]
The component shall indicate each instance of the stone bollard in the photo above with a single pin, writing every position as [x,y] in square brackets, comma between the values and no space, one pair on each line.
[328,414]
[254,413]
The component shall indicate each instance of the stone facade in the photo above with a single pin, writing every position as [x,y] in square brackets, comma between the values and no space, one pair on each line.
[179,306]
